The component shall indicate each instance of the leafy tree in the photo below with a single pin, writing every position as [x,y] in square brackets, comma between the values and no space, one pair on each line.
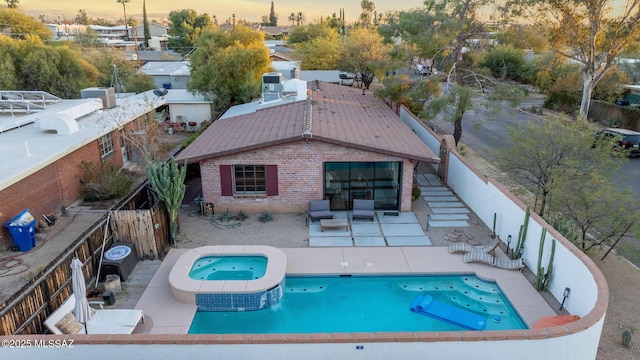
[105,60]
[273,17]
[548,157]
[227,67]
[145,22]
[29,64]
[318,54]
[184,29]
[363,53]
[8,78]
[89,39]
[442,30]
[600,212]
[505,63]
[586,32]
[307,33]
[82,17]
[21,25]
[524,37]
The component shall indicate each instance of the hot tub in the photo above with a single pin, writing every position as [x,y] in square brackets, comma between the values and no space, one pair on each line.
[230,291]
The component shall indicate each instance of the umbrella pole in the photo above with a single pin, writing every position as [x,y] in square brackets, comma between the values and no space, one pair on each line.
[104,240]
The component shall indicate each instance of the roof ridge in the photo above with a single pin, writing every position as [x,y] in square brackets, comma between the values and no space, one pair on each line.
[307,118]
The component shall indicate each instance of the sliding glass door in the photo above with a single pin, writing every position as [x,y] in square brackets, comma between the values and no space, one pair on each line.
[378,181]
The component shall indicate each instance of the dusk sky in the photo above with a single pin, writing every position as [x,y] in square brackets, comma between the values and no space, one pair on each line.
[251,10]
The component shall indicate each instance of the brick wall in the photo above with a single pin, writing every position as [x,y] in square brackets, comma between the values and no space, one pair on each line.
[48,189]
[300,175]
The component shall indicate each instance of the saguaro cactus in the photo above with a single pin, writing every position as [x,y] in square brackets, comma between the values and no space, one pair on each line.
[522,235]
[167,179]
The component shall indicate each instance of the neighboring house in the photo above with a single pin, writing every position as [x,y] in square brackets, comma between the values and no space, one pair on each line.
[66,31]
[168,74]
[184,107]
[145,56]
[288,69]
[44,140]
[159,36]
[335,144]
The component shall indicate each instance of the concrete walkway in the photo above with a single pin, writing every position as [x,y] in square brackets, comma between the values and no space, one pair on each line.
[400,229]
[447,210]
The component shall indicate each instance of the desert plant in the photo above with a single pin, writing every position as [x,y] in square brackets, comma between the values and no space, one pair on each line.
[265,216]
[627,336]
[493,232]
[522,234]
[104,184]
[415,193]
[241,216]
[167,179]
[224,216]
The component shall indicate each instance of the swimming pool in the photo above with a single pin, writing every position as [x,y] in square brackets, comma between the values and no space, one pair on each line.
[364,304]
[229,268]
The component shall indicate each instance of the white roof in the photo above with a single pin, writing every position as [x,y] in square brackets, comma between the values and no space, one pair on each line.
[29,148]
[171,68]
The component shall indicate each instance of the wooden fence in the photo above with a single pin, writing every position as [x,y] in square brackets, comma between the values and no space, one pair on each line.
[25,312]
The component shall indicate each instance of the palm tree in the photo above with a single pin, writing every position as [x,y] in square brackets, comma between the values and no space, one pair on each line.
[123,2]
[300,18]
[13,4]
[292,18]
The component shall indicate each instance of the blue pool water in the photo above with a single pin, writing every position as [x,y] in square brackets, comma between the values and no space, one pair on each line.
[221,267]
[364,304]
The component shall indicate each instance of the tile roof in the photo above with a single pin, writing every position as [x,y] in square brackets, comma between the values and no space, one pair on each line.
[334,114]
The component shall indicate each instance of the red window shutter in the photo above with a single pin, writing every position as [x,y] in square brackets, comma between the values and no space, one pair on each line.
[272,180]
[226,180]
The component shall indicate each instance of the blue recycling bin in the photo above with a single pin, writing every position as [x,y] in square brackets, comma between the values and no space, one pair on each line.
[23,230]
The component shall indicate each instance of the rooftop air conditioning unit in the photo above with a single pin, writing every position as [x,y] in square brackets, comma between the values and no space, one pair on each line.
[272,86]
[107,95]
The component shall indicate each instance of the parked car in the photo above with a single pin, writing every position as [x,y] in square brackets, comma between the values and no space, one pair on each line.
[346,78]
[420,69]
[625,139]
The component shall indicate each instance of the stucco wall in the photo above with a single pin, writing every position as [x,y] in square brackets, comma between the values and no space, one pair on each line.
[300,175]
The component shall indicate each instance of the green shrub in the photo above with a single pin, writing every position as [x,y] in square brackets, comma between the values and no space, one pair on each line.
[105,184]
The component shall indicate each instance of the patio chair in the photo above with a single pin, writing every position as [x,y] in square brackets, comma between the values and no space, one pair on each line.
[479,256]
[363,209]
[319,209]
[463,247]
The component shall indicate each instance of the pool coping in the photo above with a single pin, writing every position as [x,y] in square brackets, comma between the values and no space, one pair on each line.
[184,288]
[171,316]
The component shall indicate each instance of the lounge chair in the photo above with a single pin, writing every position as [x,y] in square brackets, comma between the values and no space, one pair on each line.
[107,321]
[363,209]
[319,209]
[483,257]
[463,247]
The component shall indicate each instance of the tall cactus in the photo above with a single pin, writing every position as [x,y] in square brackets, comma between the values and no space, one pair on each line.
[522,234]
[550,266]
[540,269]
[167,179]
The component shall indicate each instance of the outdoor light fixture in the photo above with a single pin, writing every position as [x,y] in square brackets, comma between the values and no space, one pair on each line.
[565,295]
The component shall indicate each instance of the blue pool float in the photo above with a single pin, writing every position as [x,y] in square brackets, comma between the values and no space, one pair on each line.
[425,305]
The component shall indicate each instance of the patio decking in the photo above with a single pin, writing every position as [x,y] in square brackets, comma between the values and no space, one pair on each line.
[172,317]
[385,230]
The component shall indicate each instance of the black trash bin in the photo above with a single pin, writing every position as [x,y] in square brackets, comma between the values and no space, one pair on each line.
[23,231]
